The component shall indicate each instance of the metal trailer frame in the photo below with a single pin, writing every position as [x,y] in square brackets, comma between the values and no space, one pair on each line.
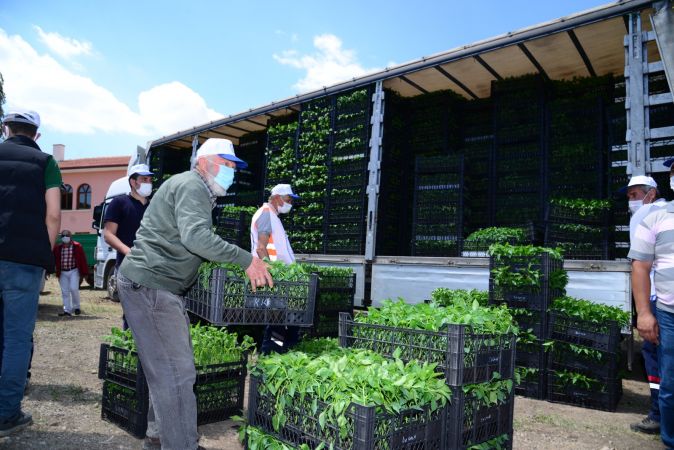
[374,272]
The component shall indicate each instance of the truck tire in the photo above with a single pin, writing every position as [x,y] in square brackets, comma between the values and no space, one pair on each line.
[111,283]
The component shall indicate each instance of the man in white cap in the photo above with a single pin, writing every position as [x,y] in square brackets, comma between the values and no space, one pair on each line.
[175,237]
[268,239]
[643,198]
[124,213]
[30,200]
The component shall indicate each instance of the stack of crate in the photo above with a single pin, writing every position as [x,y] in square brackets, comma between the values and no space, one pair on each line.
[437,224]
[348,174]
[583,362]
[530,306]
[519,164]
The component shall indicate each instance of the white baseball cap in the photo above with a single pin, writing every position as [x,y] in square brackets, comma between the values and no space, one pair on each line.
[223,148]
[22,116]
[283,189]
[139,169]
[640,180]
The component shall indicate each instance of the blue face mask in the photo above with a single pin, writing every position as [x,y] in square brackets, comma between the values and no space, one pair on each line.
[225,177]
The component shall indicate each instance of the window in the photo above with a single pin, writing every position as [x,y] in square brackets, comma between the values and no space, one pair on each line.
[84,196]
[66,196]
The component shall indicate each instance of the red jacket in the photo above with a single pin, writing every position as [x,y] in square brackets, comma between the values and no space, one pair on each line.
[78,254]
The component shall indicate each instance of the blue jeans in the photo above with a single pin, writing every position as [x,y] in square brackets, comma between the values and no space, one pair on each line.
[666,358]
[20,292]
[650,353]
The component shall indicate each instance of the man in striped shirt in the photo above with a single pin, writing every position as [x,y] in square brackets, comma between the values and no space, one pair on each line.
[653,245]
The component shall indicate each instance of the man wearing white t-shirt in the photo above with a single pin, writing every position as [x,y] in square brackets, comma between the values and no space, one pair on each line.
[643,198]
[268,239]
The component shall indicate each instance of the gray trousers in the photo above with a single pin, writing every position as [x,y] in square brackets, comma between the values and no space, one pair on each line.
[160,328]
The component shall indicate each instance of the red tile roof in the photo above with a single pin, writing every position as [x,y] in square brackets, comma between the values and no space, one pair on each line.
[87,163]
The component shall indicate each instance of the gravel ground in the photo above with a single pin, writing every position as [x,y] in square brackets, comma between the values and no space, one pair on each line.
[64,396]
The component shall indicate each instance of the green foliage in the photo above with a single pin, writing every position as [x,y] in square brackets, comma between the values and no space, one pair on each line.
[259,440]
[585,208]
[423,316]
[446,297]
[590,311]
[211,345]
[519,268]
[498,235]
[317,346]
[279,271]
[497,443]
[346,376]
[570,378]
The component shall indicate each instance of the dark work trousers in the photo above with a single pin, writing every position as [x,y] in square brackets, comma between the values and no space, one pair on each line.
[650,353]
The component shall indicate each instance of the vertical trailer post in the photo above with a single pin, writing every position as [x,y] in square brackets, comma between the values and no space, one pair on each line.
[195,144]
[635,59]
[374,169]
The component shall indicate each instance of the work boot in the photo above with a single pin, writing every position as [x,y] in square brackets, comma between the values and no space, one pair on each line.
[648,426]
[17,423]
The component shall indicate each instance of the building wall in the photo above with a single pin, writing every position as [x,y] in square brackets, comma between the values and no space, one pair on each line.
[99,179]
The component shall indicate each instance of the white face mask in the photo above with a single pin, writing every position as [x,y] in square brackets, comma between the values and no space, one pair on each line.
[145,189]
[65,239]
[285,208]
[634,205]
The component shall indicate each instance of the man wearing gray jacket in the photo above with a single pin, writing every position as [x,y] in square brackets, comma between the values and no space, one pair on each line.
[174,238]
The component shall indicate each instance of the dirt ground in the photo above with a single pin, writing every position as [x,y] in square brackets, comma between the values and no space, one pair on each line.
[64,396]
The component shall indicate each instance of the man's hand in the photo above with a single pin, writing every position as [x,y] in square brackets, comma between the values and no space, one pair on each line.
[258,274]
[648,327]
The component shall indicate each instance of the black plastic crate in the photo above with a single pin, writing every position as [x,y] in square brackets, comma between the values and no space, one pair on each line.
[228,300]
[407,430]
[325,325]
[590,362]
[233,227]
[535,388]
[600,336]
[479,247]
[335,293]
[125,407]
[470,423]
[562,214]
[218,388]
[535,321]
[537,297]
[578,249]
[531,355]
[605,399]
[464,357]
[446,246]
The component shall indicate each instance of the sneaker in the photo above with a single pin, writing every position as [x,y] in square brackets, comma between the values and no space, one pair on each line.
[647,426]
[65,314]
[17,423]
[77,312]
[151,443]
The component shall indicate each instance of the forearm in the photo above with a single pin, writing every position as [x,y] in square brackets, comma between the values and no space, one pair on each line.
[114,242]
[641,288]
[262,252]
[53,228]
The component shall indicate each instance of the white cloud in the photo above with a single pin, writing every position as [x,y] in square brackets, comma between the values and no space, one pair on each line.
[63,46]
[71,103]
[173,106]
[330,64]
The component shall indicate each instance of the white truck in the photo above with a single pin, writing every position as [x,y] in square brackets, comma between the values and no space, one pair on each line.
[105,255]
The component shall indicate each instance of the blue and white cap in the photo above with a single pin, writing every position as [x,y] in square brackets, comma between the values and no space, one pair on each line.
[223,148]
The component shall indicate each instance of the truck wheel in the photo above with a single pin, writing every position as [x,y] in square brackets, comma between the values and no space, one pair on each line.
[111,284]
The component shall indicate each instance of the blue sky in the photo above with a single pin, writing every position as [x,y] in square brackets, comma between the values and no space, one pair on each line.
[107,76]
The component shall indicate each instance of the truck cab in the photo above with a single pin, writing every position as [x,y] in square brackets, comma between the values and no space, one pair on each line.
[106,256]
